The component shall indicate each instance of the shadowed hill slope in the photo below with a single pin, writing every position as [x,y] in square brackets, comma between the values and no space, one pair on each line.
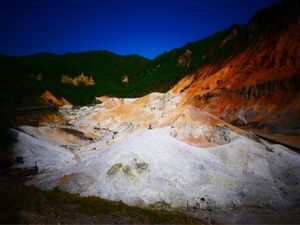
[30,76]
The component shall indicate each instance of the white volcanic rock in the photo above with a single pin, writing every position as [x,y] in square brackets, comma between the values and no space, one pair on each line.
[49,157]
[242,172]
[188,157]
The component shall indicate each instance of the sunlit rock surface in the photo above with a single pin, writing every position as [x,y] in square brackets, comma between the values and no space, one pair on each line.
[48,97]
[156,150]
[258,87]
[84,79]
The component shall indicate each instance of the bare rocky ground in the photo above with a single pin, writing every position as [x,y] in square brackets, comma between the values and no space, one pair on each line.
[156,151]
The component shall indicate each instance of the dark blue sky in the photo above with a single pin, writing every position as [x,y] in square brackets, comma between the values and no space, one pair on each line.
[144,27]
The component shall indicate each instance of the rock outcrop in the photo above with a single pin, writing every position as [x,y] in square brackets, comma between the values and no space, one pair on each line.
[125,79]
[258,87]
[48,97]
[185,59]
[220,135]
[84,79]
[38,77]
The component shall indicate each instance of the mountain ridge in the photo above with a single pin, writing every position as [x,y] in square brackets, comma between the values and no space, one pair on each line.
[263,50]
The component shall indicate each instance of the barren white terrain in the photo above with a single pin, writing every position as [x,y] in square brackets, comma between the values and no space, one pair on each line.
[157,151]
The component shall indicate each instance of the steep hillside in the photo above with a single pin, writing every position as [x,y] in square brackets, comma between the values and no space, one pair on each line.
[168,68]
[26,78]
[29,76]
[257,87]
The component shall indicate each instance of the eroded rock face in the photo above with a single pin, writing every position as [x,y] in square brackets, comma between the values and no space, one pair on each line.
[84,79]
[185,59]
[38,77]
[258,88]
[48,97]
[125,79]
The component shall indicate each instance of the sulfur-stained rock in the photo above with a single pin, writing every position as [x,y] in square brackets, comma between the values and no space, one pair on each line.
[114,169]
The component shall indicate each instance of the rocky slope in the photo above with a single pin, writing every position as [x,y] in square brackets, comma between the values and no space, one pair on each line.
[157,151]
[257,88]
[183,149]
[81,79]
[48,97]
